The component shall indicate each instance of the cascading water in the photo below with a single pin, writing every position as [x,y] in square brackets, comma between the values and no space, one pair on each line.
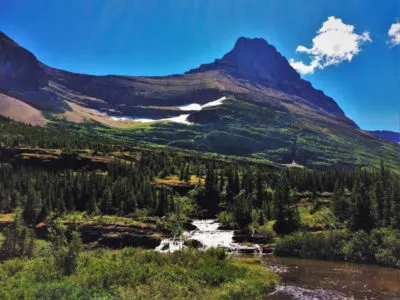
[208,234]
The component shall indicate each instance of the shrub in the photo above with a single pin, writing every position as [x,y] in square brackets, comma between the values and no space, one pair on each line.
[358,248]
[227,219]
[136,274]
[318,245]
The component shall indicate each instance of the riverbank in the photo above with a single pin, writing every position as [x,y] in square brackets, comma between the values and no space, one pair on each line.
[381,246]
[318,279]
[133,273]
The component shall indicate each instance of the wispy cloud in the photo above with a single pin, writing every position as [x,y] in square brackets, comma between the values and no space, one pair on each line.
[334,43]
[394,34]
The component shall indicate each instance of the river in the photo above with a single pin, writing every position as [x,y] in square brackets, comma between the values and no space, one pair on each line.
[302,278]
[316,279]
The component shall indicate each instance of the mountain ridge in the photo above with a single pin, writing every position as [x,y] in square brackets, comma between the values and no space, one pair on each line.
[255,59]
[43,73]
[270,112]
[389,135]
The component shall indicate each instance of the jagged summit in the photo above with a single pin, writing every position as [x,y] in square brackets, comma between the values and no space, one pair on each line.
[253,60]
[256,60]
[271,111]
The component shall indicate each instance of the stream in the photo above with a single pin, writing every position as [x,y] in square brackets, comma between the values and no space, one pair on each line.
[208,234]
[301,278]
[317,279]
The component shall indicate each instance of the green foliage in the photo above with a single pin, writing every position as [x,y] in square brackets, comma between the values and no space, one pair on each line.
[319,245]
[227,219]
[266,230]
[321,219]
[287,215]
[381,246]
[18,239]
[135,274]
[357,248]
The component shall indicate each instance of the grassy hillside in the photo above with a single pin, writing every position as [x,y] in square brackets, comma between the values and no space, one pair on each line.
[246,129]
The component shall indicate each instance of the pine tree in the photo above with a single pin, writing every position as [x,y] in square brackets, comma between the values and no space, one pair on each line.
[72,254]
[259,190]
[162,203]
[18,239]
[287,215]
[379,199]
[361,217]
[230,187]
[339,202]
[92,204]
[187,173]
[395,213]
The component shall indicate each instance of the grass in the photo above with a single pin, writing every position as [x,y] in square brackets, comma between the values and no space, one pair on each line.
[84,218]
[321,219]
[138,274]
[7,217]
[174,180]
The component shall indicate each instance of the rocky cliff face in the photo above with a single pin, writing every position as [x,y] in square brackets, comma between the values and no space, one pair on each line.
[251,60]
[258,62]
[23,77]
[18,67]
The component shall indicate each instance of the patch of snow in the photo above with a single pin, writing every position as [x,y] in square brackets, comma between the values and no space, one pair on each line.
[144,120]
[121,118]
[192,106]
[214,103]
[179,119]
[198,107]
[182,119]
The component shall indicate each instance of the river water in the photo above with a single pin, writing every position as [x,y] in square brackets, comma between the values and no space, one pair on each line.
[315,279]
[302,278]
[207,232]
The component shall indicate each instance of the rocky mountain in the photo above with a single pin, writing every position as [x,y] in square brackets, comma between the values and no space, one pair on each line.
[270,113]
[391,136]
[258,62]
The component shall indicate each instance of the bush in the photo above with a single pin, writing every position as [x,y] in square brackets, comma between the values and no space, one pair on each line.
[136,274]
[318,245]
[358,248]
[381,246]
[227,220]
[267,231]
[386,246]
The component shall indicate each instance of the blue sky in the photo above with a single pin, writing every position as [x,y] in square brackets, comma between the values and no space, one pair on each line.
[168,37]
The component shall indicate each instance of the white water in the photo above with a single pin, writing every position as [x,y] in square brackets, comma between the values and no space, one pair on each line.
[208,234]
[182,119]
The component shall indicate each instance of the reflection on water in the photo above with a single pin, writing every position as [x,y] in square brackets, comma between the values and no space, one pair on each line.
[314,279]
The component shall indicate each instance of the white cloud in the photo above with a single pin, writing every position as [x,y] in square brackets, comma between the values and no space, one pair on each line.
[394,34]
[334,43]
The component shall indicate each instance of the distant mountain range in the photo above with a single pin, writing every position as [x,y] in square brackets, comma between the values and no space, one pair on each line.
[391,136]
[268,112]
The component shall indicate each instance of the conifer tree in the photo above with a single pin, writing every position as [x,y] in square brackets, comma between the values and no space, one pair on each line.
[361,217]
[287,216]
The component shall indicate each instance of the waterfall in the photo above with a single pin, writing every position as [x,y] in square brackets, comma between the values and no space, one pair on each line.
[208,234]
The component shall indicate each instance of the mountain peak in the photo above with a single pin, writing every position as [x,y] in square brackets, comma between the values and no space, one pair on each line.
[245,41]
[255,60]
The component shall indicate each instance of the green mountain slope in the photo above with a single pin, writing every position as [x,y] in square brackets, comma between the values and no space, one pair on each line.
[270,113]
